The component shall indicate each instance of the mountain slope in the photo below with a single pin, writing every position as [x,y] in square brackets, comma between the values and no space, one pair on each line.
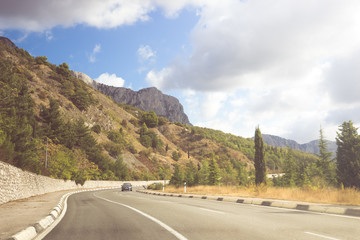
[310,147]
[54,124]
[148,99]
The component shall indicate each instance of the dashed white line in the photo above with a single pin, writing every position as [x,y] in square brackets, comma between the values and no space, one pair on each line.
[321,236]
[210,210]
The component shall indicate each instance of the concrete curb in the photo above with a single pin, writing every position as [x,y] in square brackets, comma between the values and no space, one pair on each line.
[39,227]
[312,207]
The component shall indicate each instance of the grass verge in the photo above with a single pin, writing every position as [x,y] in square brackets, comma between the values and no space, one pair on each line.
[347,196]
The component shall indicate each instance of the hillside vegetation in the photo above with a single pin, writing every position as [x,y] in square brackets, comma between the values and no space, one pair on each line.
[52,123]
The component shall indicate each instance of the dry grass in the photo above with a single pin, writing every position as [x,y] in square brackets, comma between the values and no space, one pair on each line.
[348,196]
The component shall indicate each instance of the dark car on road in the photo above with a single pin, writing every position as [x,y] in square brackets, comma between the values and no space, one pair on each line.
[126,187]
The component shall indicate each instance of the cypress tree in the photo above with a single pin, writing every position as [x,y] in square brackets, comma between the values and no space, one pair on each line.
[260,166]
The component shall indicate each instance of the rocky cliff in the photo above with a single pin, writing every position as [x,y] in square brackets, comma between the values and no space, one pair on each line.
[7,42]
[148,99]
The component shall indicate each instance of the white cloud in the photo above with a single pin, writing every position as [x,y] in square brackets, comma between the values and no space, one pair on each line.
[241,44]
[294,64]
[145,53]
[111,80]
[41,15]
[49,36]
[290,65]
[97,49]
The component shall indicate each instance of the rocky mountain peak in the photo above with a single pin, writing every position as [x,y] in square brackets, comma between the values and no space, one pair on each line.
[7,42]
[147,99]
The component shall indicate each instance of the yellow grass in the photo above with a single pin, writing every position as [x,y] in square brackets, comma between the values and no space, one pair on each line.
[347,196]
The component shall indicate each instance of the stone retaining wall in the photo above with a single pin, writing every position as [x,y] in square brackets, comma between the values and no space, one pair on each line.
[18,184]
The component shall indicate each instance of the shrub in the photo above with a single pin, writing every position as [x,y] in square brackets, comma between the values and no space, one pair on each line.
[155,186]
[150,119]
[96,128]
[41,60]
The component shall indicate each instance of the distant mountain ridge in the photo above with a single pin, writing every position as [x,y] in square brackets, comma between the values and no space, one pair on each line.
[310,147]
[147,99]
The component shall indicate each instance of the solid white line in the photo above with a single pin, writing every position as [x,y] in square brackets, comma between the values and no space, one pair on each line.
[322,236]
[171,230]
[57,220]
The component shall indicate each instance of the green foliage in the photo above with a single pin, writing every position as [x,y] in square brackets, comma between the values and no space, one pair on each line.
[260,166]
[164,171]
[114,149]
[120,170]
[62,165]
[214,174]
[148,138]
[155,186]
[204,173]
[163,121]
[41,60]
[177,178]
[348,155]
[326,167]
[72,88]
[176,155]
[53,125]
[190,174]
[63,70]
[116,137]
[80,178]
[150,119]
[18,123]
[81,99]
[96,128]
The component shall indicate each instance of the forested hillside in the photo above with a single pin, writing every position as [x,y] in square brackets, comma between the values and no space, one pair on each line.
[54,124]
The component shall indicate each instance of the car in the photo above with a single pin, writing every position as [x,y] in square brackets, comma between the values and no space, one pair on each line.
[126,187]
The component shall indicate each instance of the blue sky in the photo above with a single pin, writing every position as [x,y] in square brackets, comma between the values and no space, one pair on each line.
[288,66]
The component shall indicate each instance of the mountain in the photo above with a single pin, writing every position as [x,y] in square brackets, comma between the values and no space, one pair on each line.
[310,147]
[148,99]
[55,124]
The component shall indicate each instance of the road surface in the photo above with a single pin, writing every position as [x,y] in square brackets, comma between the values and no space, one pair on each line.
[112,214]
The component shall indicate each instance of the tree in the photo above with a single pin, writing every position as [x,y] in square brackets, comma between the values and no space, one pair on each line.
[260,165]
[348,155]
[41,60]
[150,119]
[324,164]
[290,168]
[214,173]
[204,173]
[53,124]
[190,174]
[177,178]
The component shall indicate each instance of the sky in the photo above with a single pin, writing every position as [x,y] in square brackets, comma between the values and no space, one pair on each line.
[290,67]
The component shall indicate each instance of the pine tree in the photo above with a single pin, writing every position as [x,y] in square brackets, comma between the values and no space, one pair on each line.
[204,173]
[214,173]
[290,169]
[348,155]
[260,166]
[324,164]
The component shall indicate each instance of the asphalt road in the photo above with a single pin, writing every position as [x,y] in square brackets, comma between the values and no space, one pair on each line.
[113,214]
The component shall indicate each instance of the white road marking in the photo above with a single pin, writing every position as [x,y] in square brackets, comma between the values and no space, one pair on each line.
[321,236]
[171,230]
[210,210]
